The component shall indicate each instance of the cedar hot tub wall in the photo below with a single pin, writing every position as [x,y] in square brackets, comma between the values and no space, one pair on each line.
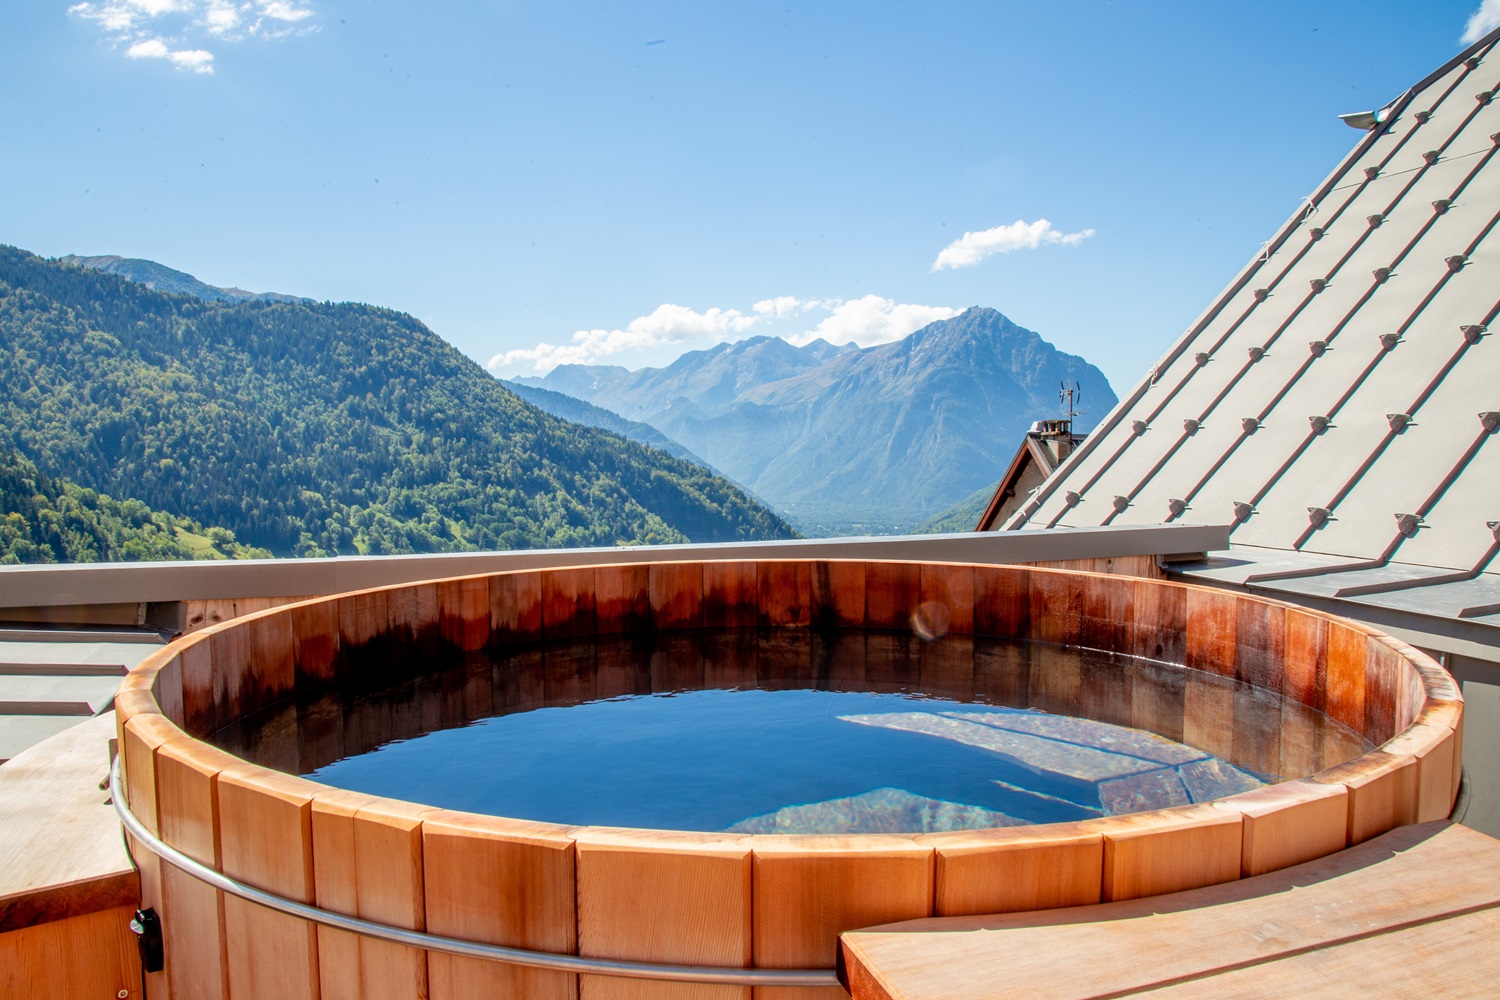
[723,899]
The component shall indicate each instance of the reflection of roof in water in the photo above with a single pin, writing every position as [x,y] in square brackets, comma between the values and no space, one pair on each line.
[883,810]
[1338,403]
[1124,770]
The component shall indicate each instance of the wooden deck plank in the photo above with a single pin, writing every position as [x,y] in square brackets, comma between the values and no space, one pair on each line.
[1380,906]
[61,853]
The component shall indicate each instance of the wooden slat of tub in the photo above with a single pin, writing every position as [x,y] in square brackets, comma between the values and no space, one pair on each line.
[1168,850]
[265,839]
[141,736]
[188,803]
[1016,868]
[335,877]
[730,595]
[503,882]
[696,910]
[1289,823]
[1411,913]
[389,875]
[810,889]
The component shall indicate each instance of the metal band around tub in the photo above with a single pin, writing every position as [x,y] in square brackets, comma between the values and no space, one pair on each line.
[718,975]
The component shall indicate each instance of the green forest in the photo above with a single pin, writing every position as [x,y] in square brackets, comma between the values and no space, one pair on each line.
[321,429]
[47,520]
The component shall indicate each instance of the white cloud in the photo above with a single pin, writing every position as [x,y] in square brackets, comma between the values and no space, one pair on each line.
[971,248]
[196,60]
[1482,22]
[666,324]
[872,320]
[281,11]
[865,321]
[175,30]
[781,307]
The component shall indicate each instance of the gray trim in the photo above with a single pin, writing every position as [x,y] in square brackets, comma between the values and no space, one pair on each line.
[114,583]
[455,946]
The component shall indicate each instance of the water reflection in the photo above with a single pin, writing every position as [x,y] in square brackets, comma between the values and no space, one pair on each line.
[1212,736]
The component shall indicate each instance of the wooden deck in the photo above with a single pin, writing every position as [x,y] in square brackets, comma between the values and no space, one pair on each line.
[67,887]
[1415,912]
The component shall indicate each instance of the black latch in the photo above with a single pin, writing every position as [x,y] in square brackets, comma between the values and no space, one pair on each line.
[147,928]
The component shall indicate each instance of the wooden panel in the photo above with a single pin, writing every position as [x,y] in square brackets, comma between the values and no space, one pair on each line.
[622,600]
[892,593]
[1260,644]
[200,716]
[1158,699]
[193,927]
[1212,618]
[1016,868]
[389,875]
[270,661]
[1433,748]
[1208,714]
[231,667]
[515,607]
[696,912]
[1306,669]
[1160,621]
[1056,678]
[499,882]
[838,594]
[86,957]
[1385,672]
[1289,823]
[1108,613]
[1256,741]
[1382,792]
[783,593]
[1378,894]
[1345,685]
[362,617]
[730,595]
[265,838]
[947,604]
[676,595]
[141,736]
[1002,673]
[1106,689]
[947,668]
[1056,607]
[167,687]
[568,602]
[335,881]
[464,612]
[414,615]
[1147,854]
[1002,601]
[315,639]
[809,890]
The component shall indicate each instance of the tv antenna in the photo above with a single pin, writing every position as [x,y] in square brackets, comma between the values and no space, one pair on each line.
[1068,396]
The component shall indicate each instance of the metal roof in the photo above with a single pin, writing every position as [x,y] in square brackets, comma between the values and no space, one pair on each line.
[1341,398]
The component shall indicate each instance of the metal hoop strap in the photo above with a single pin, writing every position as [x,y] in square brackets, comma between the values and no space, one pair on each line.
[718,975]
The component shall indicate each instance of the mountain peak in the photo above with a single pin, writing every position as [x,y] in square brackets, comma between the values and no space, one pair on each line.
[161,278]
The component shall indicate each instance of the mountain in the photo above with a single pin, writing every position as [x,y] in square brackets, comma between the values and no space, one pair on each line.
[161,278]
[320,428]
[573,409]
[962,516]
[47,520]
[871,440]
[711,379]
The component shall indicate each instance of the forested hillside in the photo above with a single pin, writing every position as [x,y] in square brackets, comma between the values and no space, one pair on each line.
[46,520]
[317,429]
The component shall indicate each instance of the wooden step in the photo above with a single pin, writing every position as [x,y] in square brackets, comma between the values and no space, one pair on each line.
[1415,912]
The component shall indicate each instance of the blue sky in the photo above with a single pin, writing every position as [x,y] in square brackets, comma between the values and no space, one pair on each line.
[621,183]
